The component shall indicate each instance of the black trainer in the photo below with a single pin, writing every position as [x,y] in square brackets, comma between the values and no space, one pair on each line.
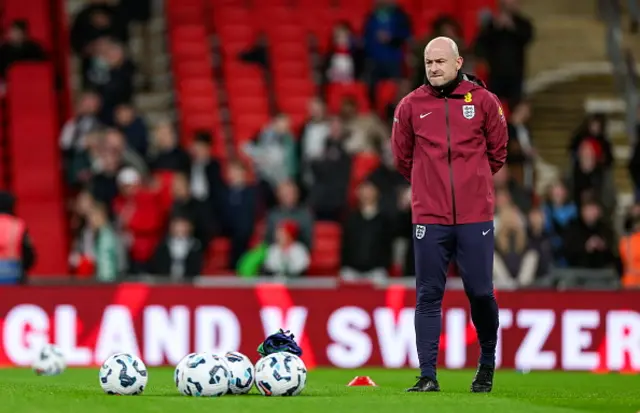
[425,384]
[483,381]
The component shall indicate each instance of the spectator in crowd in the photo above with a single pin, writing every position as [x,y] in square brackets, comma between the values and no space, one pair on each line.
[366,131]
[207,187]
[180,255]
[330,176]
[202,218]
[140,218]
[632,215]
[274,156]
[588,242]
[96,20]
[404,88]
[502,43]
[75,131]
[111,73]
[106,245]
[514,263]
[521,154]
[18,47]
[367,239]
[589,179]
[103,181]
[241,201]
[540,242]
[133,127]
[594,131]
[287,257]
[343,62]
[17,253]
[165,153]
[139,12]
[389,182]
[313,136]
[386,31]
[629,249]
[559,213]
[114,143]
[289,209]
[447,26]
[81,255]
[521,197]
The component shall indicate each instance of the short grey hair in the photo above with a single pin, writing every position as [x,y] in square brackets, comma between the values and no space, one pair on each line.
[452,44]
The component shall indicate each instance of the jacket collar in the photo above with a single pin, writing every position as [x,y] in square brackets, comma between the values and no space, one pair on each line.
[457,88]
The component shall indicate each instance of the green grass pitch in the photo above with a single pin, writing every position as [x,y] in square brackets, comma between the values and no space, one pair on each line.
[77,390]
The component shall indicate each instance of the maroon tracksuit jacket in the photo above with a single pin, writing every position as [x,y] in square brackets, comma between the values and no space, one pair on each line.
[448,148]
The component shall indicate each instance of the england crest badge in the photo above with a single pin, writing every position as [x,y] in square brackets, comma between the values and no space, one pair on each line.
[468,111]
[421,230]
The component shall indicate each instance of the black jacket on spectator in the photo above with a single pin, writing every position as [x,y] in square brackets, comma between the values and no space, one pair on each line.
[104,188]
[200,217]
[588,182]
[28,51]
[118,89]
[634,165]
[160,263]
[83,31]
[175,159]
[576,237]
[239,219]
[366,243]
[389,182]
[328,195]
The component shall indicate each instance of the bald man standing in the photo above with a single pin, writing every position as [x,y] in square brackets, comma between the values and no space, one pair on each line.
[449,137]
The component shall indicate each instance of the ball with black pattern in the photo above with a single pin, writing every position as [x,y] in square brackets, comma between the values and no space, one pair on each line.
[206,375]
[49,361]
[281,374]
[123,374]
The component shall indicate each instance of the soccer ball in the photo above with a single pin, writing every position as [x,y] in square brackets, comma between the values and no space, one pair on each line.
[49,361]
[178,374]
[242,372]
[206,375]
[281,374]
[123,374]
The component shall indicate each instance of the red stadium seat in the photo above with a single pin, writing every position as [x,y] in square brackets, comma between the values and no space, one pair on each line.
[325,252]
[363,165]
[336,92]
[217,256]
[386,92]
[37,13]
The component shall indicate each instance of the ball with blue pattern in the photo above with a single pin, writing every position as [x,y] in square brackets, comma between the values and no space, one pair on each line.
[178,374]
[206,375]
[242,372]
[49,361]
[123,374]
[281,374]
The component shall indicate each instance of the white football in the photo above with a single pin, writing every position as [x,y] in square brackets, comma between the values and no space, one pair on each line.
[206,375]
[178,374]
[49,361]
[281,374]
[242,372]
[123,374]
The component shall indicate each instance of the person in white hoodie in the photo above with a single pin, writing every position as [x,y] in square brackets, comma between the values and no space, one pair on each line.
[287,257]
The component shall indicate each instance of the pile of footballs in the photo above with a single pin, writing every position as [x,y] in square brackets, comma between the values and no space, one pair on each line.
[280,371]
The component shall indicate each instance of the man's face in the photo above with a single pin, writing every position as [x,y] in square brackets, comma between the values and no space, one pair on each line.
[441,65]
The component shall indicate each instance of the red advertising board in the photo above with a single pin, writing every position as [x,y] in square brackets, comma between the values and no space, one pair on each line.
[344,327]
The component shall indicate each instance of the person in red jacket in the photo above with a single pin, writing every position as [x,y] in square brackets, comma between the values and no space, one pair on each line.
[141,218]
[449,137]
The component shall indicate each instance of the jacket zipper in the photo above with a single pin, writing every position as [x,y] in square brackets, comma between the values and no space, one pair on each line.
[453,192]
